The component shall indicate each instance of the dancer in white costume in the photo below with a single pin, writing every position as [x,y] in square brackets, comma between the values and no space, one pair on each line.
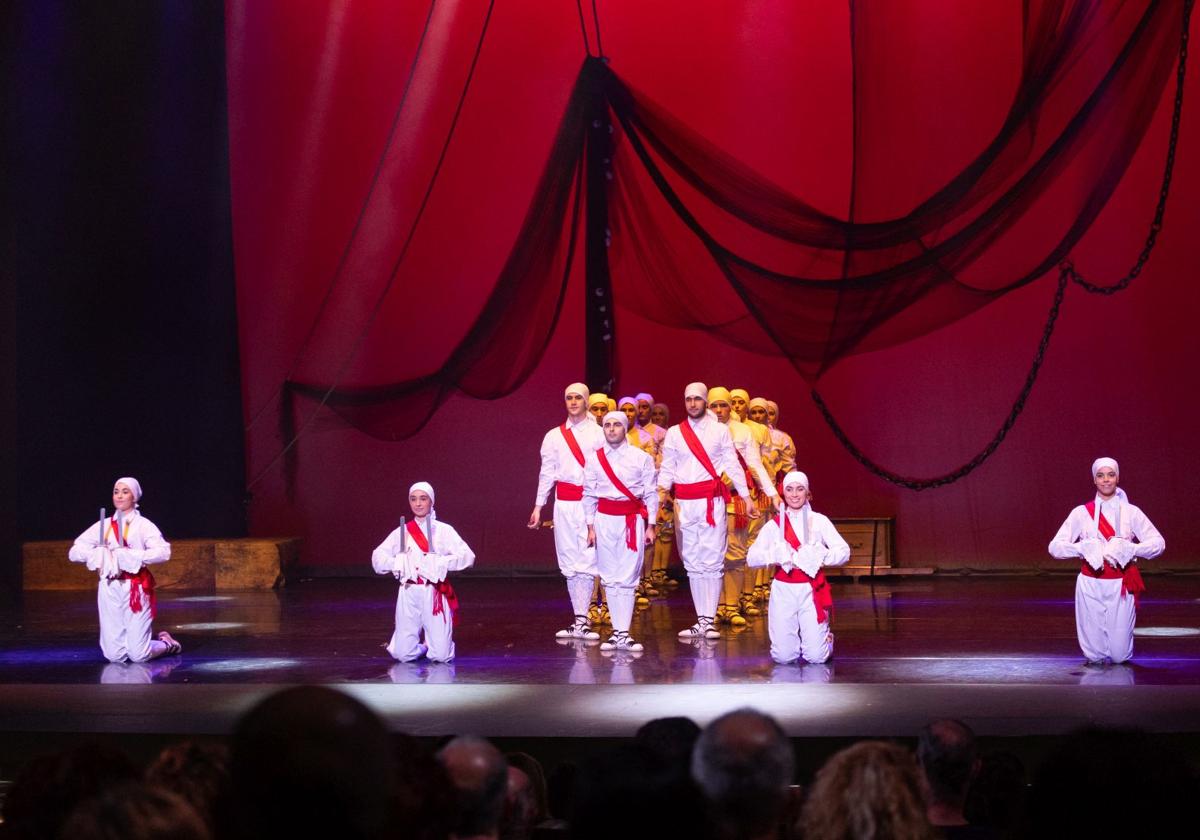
[695,454]
[121,550]
[620,497]
[565,450]
[802,542]
[1109,536]
[420,553]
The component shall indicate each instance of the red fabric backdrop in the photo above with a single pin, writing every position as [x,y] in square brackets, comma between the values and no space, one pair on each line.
[313,92]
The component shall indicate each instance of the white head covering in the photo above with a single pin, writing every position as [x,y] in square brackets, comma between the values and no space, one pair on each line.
[647,397]
[132,484]
[1120,494]
[757,402]
[797,477]
[696,389]
[578,388]
[631,400]
[617,415]
[426,488]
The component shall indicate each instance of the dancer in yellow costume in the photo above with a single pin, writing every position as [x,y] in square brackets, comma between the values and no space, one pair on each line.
[664,540]
[751,596]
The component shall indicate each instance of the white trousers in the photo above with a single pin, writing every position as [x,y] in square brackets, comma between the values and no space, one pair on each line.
[793,626]
[620,566]
[575,556]
[414,613]
[702,549]
[1104,619]
[124,634]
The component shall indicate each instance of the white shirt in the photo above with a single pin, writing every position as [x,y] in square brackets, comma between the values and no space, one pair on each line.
[824,546]
[632,466]
[448,553]
[146,545]
[1078,537]
[680,466]
[558,464]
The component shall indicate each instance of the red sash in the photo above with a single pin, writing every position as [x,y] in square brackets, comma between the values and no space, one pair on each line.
[572,444]
[614,507]
[444,594]
[822,594]
[565,491]
[701,489]
[141,584]
[1131,576]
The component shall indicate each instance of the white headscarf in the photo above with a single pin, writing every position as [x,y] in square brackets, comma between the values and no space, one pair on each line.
[1120,494]
[631,400]
[619,415]
[578,388]
[133,485]
[696,389]
[647,397]
[797,477]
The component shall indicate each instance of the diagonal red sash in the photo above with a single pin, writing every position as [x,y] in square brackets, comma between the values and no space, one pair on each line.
[444,594]
[630,518]
[141,582]
[572,444]
[822,594]
[1131,576]
[701,455]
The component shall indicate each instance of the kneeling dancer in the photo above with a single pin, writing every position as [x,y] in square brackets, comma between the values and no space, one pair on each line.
[121,550]
[801,542]
[620,496]
[1109,535]
[420,553]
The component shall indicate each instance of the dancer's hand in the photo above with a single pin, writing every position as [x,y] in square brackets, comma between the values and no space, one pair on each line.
[535,518]
[591,536]
[650,534]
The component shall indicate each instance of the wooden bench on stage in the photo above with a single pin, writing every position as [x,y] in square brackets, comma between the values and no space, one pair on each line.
[194,564]
[872,542]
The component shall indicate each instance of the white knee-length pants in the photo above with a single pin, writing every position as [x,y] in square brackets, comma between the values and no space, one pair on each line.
[793,626]
[124,634]
[1104,619]
[575,556]
[701,546]
[414,613]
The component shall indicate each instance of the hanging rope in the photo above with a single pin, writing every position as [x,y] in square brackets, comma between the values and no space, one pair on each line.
[1067,273]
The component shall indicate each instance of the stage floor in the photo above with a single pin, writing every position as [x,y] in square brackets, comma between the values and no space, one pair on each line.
[998,652]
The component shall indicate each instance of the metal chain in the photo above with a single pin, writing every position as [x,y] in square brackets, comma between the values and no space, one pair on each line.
[1066,274]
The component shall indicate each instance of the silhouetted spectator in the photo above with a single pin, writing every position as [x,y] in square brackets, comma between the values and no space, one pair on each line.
[520,806]
[671,739]
[537,780]
[478,776]
[627,792]
[1112,783]
[197,772]
[424,798]
[49,788]
[949,761]
[743,765]
[312,761]
[868,791]
[135,811]
[997,796]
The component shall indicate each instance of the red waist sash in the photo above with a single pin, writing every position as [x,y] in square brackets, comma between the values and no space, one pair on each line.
[1131,578]
[631,510]
[710,490]
[564,491]
[141,582]
[822,594]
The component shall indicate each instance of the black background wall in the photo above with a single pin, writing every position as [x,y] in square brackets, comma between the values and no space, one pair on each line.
[119,266]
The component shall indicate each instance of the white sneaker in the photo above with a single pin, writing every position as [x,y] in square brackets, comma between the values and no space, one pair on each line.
[622,641]
[578,630]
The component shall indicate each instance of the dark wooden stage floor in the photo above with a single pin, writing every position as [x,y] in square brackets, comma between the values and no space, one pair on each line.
[997,652]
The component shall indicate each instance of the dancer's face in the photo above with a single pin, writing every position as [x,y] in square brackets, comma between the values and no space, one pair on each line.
[722,409]
[738,403]
[696,406]
[658,416]
[772,416]
[614,431]
[575,406]
[420,503]
[598,410]
[123,499]
[630,411]
[758,414]
[1106,482]
[795,495]
[643,411]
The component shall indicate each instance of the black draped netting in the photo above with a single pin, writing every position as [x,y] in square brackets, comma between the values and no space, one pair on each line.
[799,282]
